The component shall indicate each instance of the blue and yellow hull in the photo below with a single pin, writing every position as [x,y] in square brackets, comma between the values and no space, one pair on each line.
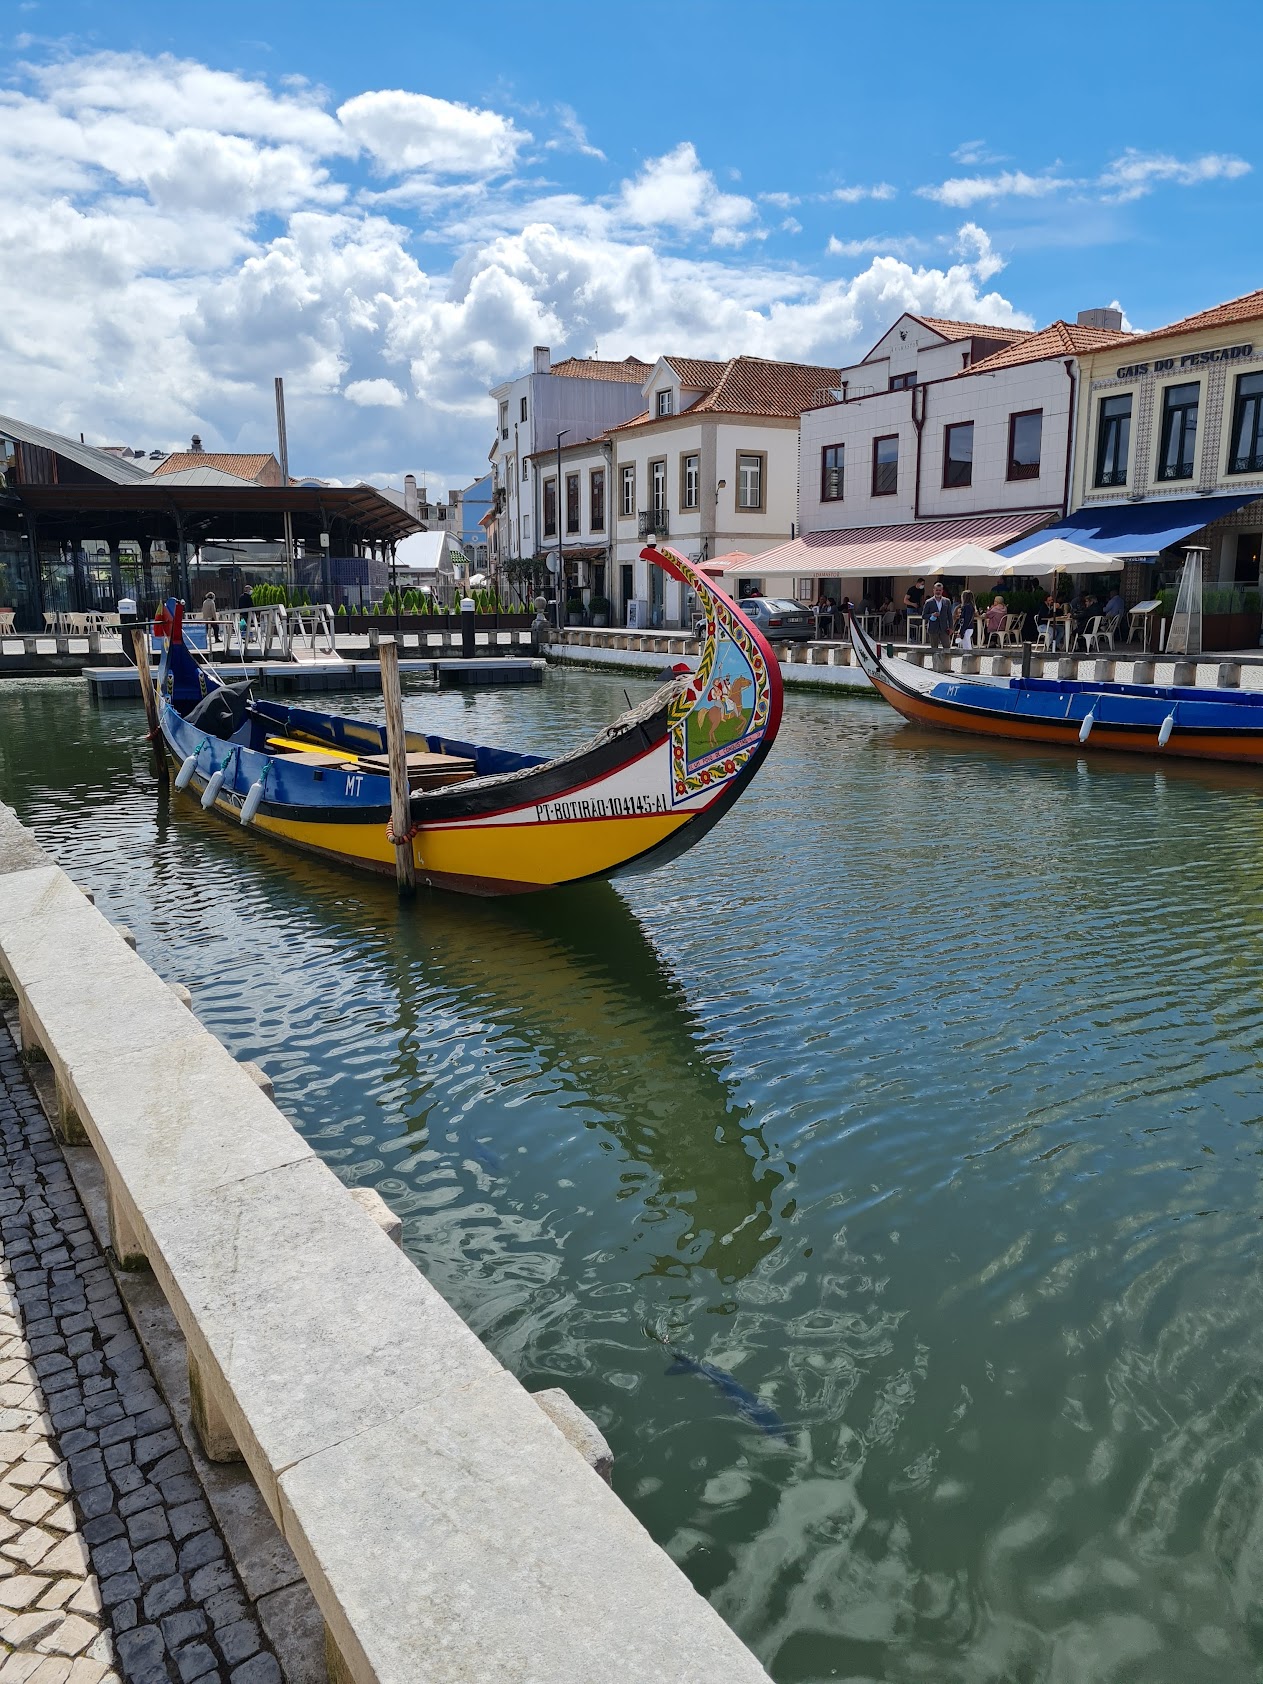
[646,788]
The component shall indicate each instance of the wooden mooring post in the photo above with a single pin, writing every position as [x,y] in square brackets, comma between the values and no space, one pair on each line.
[397,753]
[140,648]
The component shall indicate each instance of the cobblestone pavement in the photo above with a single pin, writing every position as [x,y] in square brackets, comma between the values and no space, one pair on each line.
[110,1563]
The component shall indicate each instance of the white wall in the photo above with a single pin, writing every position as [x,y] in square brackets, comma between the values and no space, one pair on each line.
[855,425]
[988,400]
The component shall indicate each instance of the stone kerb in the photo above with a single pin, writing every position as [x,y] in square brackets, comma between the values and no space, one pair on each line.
[434,1508]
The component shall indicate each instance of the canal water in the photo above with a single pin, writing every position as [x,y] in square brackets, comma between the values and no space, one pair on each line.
[922,1100]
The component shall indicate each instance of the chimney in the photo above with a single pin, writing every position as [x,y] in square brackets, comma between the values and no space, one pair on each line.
[410,493]
[196,445]
[1111,319]
[541,360]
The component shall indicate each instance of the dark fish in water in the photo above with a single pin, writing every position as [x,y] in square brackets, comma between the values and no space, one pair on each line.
[761,1414]
[483,1155]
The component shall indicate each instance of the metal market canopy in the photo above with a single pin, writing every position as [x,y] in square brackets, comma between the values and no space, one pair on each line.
[877,551]
[1136,529]
[206,512]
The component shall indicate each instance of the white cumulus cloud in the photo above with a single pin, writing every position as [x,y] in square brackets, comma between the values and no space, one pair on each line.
[371,394]
[407,131]
[675,191]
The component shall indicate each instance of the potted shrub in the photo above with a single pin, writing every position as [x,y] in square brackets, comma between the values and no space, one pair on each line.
[599,608]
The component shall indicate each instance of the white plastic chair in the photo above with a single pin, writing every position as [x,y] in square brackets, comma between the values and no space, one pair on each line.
[1099,632]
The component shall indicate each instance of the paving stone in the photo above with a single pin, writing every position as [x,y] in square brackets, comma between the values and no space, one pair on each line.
[188,1519]
[140,1648]
[148,1524]
[179,1628]
[260,1669]
[165,1595]
[177,1463]
[104,1526]
[195,1661]
[155,1561]
[142,1496]
[239,1641]
[226,1608]
[156,1445]
[112,1557]
[209,1580]
[199,1550]
[119,1587]
[71,1637]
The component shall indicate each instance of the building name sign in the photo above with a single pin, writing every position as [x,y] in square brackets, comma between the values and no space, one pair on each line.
[1161,365]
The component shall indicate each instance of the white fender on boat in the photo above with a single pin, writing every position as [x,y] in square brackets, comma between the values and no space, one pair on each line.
[1085,730]
[254,795]
[250,805]
[213,787]
[1164,735]
[187,768]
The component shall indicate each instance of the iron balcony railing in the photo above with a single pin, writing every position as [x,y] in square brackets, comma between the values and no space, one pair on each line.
[1111,476]
[654,523]
[1247,464]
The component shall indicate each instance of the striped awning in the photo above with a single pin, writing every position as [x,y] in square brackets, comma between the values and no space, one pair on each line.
[881,551]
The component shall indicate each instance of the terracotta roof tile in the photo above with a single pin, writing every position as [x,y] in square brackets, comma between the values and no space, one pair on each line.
[753,386]
[1247,308]
[1058,339]
[244,467]
[969,330]
[745,386]
[697,374]
[631,370]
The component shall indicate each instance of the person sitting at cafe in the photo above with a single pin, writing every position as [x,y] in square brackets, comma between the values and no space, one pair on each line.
[1115,608]
[996,616]
[1049,614]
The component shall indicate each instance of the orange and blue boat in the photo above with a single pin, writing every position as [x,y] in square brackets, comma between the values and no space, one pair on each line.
[1171,720]
[484,820]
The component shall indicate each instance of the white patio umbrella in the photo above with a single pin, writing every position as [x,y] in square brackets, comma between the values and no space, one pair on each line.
[968,561]
[1057,555]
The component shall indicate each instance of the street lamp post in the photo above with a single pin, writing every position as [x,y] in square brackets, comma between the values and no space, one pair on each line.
[561,552]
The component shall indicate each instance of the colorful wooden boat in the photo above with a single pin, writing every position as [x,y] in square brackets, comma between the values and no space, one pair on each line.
[488,821]
[1134,718]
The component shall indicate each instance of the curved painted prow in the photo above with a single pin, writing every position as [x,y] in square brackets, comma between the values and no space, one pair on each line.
[726,717]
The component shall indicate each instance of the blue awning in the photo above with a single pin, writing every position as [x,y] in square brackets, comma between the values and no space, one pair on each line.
[1135,529]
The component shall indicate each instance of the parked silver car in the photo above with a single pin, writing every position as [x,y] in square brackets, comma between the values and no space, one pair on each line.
[780,620]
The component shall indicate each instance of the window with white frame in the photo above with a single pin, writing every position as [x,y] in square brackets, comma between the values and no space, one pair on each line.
[750,480]
[690,480]
[627,500]
[658,485]
[666,403]
[504,419]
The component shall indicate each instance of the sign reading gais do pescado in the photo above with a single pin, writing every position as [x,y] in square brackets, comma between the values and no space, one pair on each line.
[1193,359]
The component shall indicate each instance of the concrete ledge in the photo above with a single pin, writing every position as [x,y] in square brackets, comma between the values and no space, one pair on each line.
[443,1523]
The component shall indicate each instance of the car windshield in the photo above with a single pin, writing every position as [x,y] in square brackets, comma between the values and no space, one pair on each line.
[778,606]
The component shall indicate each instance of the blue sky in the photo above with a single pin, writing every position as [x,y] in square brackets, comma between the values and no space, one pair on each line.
[390,204]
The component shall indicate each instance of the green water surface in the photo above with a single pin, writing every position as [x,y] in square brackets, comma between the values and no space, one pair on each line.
[923,1098]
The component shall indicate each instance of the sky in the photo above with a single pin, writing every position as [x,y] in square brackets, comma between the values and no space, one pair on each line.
[389,204]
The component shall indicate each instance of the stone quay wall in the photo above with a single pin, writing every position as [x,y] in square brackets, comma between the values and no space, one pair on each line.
[449,1525]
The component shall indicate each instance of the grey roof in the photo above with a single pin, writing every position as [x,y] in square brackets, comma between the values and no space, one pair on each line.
[113,468]
[202,476]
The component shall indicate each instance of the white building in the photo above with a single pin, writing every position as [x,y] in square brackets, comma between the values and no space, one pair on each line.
[710,464]
[573,401]
[575,515]
[945,433]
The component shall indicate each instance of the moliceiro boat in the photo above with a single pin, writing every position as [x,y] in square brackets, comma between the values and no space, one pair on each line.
[1136,718]
[488,821]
